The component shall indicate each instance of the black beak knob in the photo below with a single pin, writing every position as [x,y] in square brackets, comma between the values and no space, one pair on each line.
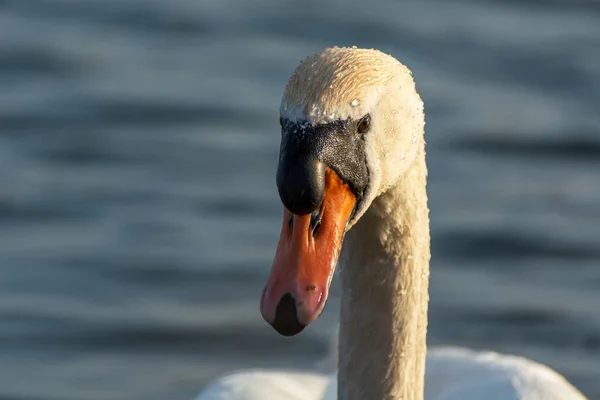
[301,184]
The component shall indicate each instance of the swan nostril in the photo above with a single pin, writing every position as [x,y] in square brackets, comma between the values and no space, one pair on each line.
[291,221]
[316,228]
[315,221]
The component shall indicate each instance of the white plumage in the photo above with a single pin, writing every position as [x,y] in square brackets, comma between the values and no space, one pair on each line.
[451,374]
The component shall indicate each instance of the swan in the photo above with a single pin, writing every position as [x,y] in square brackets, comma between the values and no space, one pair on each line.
[352,170]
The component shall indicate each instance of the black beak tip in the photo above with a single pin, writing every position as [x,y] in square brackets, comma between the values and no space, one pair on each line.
[286,317]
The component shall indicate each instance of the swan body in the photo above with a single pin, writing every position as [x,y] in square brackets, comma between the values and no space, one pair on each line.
[352,178]
[451,374]
[269,385]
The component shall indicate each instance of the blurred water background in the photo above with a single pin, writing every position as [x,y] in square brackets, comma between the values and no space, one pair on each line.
[138,209]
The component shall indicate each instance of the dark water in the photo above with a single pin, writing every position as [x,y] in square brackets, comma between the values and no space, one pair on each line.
[139,215]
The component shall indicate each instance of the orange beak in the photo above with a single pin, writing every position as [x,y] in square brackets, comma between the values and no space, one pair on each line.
[305,260]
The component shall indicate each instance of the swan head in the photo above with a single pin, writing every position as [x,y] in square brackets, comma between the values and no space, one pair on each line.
[352,124]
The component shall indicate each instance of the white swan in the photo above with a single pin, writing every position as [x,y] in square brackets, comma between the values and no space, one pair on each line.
[353,156]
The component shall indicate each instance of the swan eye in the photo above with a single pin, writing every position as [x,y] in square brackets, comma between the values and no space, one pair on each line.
[364,124]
